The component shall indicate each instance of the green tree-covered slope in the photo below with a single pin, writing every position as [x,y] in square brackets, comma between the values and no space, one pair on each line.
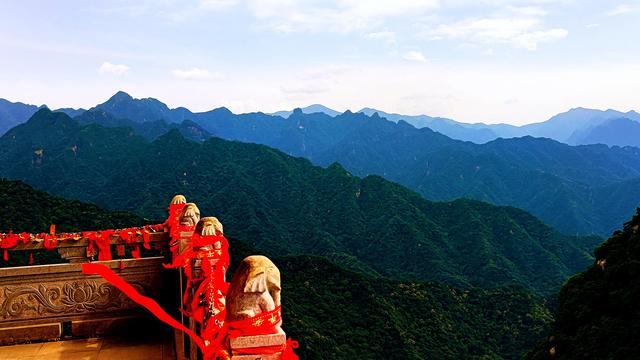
[598,316]
[336,313]
[25,209]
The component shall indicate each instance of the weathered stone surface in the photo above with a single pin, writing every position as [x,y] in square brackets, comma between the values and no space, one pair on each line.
[276,356]
[59,293]
[190,215]
[246,342]
[19,334]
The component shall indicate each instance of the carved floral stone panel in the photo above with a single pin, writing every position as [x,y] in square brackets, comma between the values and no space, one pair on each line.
[64,298]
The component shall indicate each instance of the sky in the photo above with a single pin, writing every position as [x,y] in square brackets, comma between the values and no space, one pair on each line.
[492,61]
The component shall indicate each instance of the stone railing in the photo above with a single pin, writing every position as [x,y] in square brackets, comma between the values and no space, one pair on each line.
[46,302]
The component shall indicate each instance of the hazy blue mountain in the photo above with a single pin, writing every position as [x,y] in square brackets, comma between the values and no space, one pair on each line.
[619,132]
[122,105]
[315,108]
[562,126]
[12,114]
[477,133]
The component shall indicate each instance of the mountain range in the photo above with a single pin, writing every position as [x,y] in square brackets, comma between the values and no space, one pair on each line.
[578,126]
[282,205]
[577,189]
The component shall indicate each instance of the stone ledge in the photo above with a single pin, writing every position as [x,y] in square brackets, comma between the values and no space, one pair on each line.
[247,342]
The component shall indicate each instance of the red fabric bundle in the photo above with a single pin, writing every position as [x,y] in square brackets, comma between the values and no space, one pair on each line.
[10,240]
[101,240]
[174,216]
[50,242]
[146,241]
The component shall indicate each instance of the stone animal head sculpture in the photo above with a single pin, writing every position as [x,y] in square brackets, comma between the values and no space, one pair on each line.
[190,215]
[208,226]
[254,289]
[178,199]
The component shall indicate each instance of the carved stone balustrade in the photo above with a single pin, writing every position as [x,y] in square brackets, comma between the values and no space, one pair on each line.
[46,302]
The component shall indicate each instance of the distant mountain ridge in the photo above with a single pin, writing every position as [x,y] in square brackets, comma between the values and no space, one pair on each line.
[615,131]
[477,133]
[12,114]
[568,127]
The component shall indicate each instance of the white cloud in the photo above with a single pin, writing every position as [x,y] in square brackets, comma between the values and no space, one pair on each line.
[530,40]
[341,16]
[623,9]
[386,36]
[195,74]
[113,69]
[524,32]
[415,56]
[592,26]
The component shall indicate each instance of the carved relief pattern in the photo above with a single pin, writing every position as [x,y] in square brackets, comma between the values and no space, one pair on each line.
[69,298]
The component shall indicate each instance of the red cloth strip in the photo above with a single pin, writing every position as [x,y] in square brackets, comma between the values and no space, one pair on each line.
[148,303]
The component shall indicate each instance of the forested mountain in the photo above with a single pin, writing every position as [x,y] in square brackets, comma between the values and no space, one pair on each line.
[598,314]
[23,208]
[377,317]
[283,205]
[567,187]
[150,130]
[338,314]
[563,185]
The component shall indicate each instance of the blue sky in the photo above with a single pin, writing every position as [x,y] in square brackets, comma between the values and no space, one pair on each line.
[472,60]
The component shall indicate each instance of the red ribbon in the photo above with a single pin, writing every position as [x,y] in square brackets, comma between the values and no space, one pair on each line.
[147,302]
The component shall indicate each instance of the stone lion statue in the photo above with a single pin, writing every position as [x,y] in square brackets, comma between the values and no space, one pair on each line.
[254,289]
[190,215]
[208,226]
[178,199]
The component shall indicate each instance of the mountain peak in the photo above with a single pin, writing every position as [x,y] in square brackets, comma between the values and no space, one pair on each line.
[121,96]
